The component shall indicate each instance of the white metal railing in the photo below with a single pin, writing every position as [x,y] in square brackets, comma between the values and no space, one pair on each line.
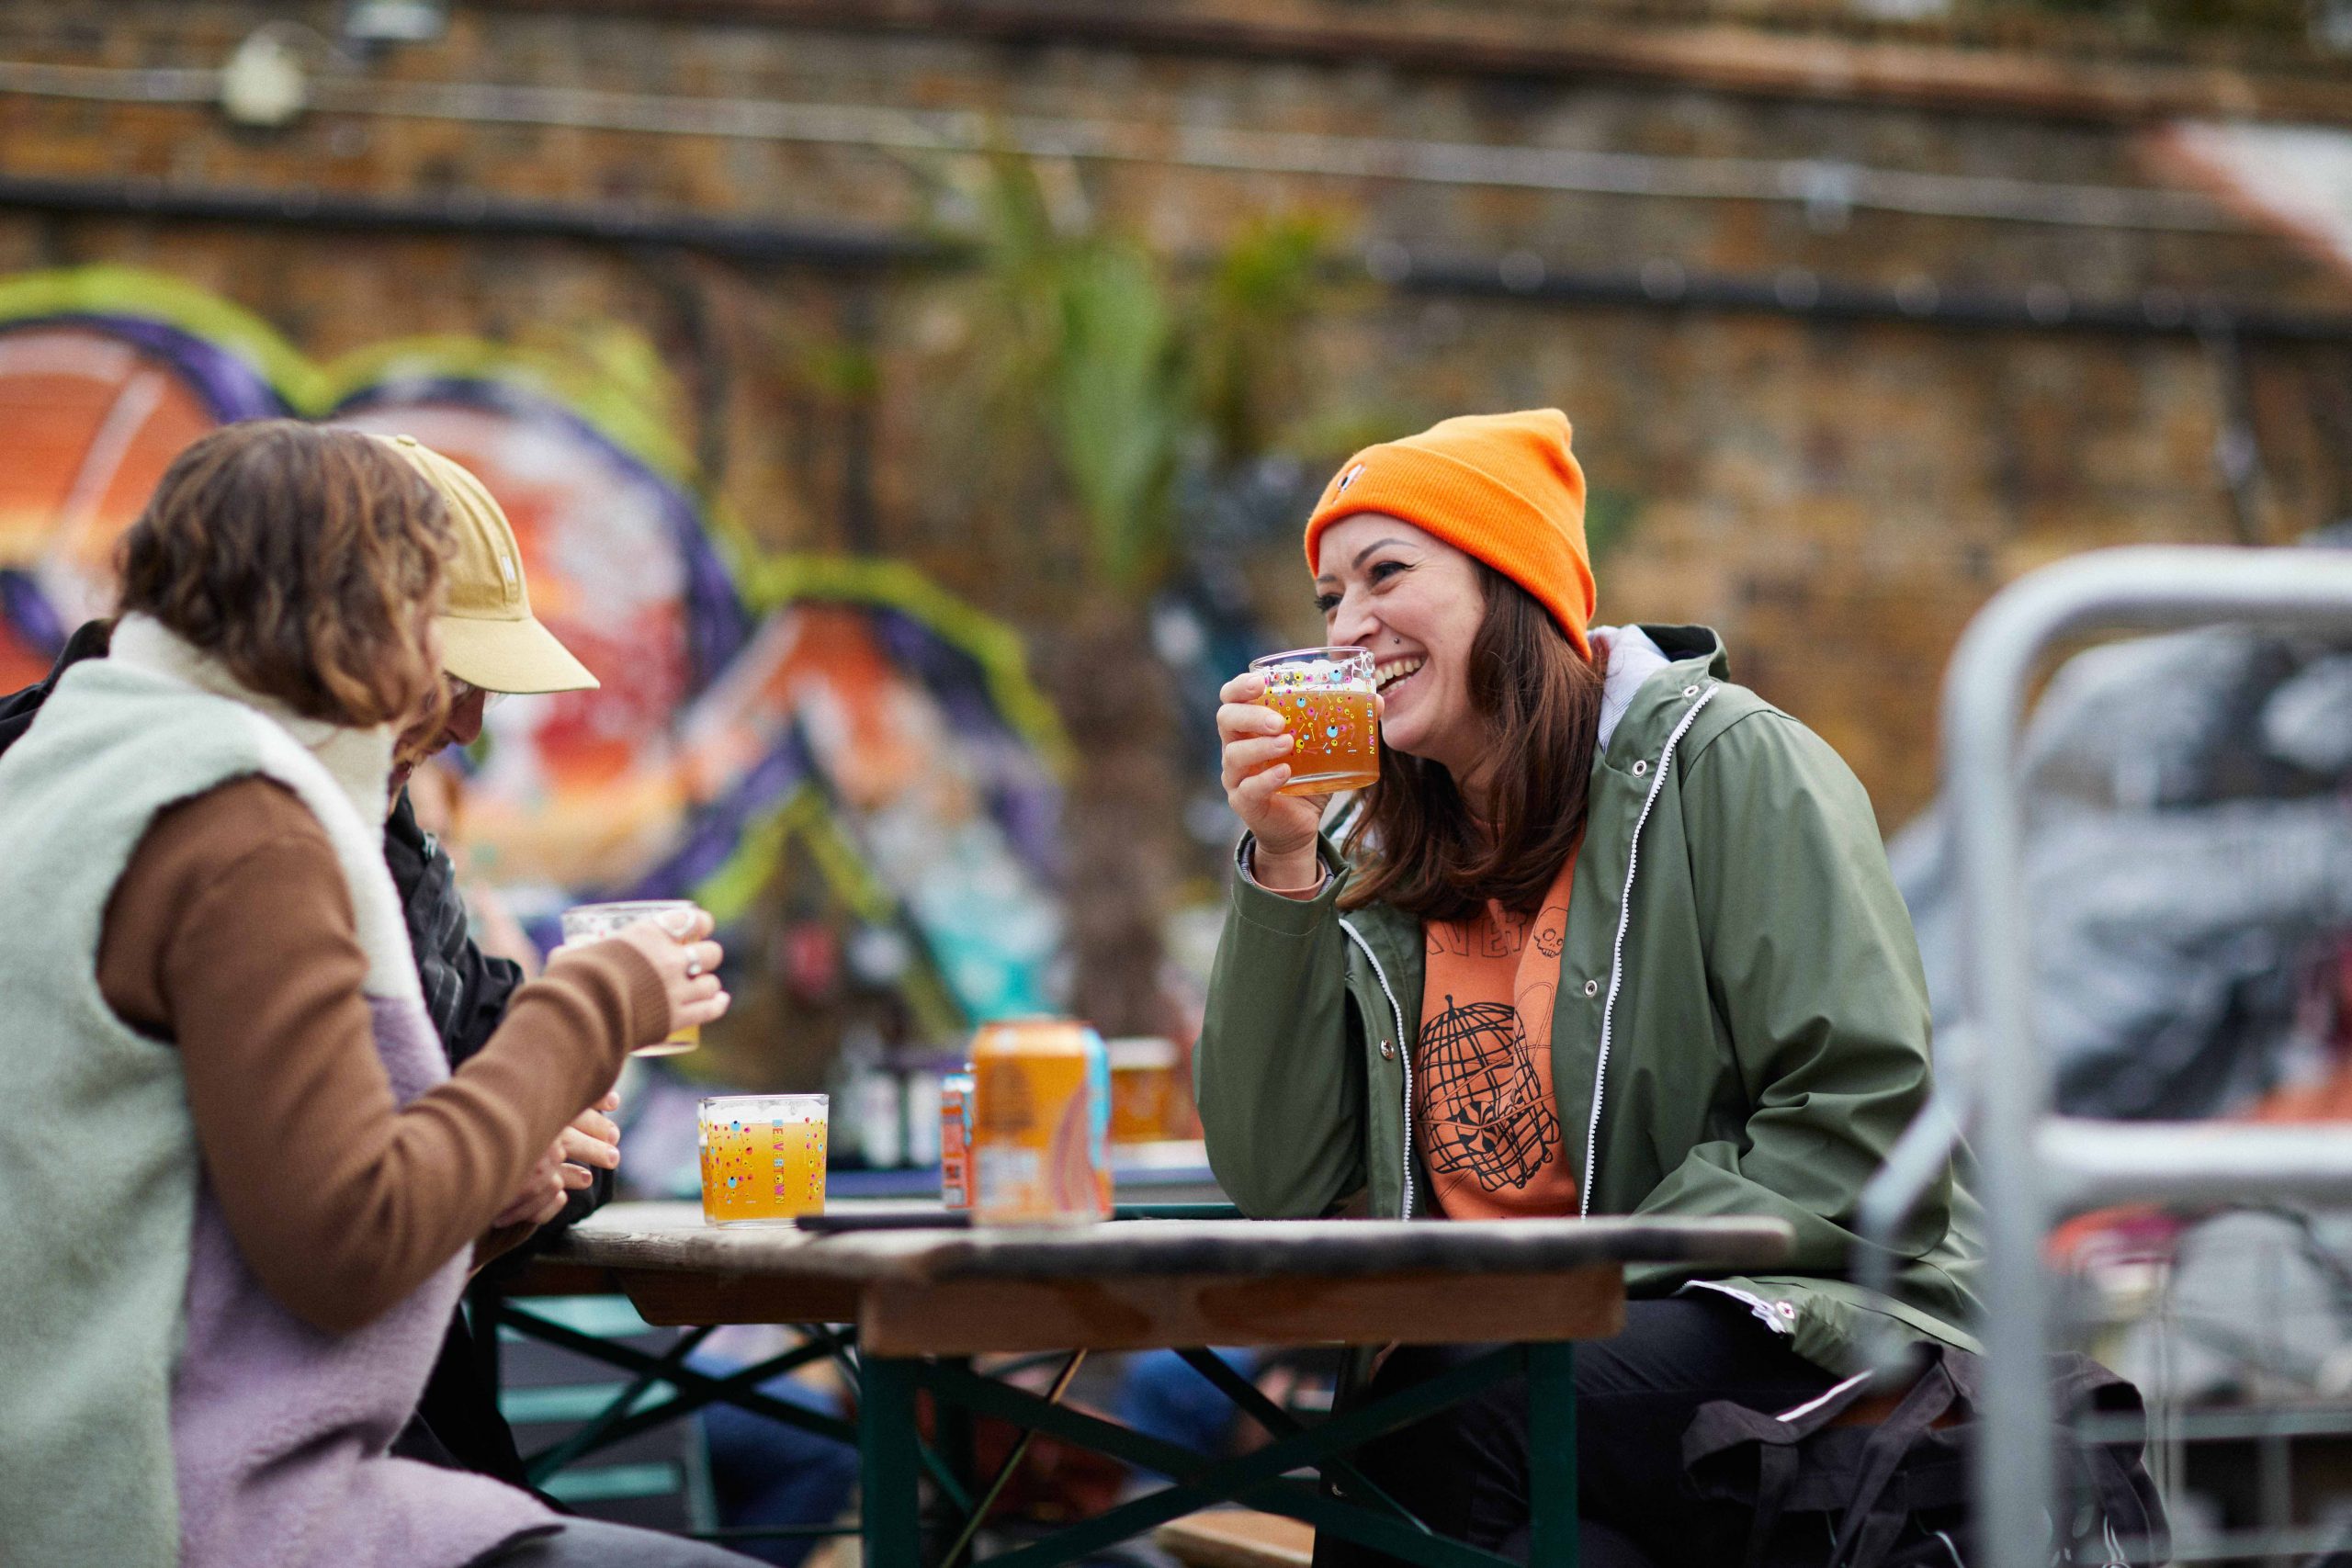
[2035,1166]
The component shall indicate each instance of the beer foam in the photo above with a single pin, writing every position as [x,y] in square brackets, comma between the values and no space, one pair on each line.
[1307,674]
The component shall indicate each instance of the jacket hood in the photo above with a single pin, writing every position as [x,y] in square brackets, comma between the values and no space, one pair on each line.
[1683,643]
[1648,668]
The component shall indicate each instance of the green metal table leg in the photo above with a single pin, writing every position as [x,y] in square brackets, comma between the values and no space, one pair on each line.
[1551,1456]
[954,1445]
[890,1459]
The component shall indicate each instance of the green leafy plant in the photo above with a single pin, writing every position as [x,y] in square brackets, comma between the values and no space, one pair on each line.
[1112,372]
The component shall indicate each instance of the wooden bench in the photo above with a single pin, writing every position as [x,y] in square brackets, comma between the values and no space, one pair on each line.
[1236,1537]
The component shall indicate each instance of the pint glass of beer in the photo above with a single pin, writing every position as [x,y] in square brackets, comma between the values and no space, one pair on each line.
[1325,697]
[762,1157]
[594,922]
[1143,1089]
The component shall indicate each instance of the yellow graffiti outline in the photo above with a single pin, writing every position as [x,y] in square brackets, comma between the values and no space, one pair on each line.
[767,580]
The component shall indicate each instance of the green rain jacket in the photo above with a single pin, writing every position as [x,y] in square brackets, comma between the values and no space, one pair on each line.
[1741,1028]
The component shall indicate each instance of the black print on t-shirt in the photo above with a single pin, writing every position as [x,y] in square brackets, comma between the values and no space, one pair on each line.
[1488,1115]
[1501,935]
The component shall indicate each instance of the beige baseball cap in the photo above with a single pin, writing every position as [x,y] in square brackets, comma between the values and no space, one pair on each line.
[489,638]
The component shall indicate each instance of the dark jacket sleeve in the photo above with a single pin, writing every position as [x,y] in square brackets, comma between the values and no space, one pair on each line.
[466,989]
[485,985]
[17,710]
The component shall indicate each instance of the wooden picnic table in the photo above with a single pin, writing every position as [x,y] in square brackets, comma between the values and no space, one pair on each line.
[923,1300]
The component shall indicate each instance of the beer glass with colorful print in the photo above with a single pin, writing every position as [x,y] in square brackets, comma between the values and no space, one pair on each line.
[1325,697]
[762,1157]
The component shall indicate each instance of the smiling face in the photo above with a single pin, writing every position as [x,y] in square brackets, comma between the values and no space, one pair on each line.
[1413,601]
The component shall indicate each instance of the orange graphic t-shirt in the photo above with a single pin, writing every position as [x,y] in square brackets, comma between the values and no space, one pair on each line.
[1487,1122]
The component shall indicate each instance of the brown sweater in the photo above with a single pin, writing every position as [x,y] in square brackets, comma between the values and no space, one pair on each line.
[231,935]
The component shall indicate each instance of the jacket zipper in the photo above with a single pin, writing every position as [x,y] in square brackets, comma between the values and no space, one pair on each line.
[1617,948]
[1404,1054]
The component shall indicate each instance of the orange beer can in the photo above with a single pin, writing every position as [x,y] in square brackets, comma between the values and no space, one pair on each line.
[1041,1131]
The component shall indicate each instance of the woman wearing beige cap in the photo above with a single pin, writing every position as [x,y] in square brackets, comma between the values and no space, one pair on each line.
[491,644]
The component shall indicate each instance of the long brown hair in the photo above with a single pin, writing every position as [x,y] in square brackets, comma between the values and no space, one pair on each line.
[1415,839]
[309,561]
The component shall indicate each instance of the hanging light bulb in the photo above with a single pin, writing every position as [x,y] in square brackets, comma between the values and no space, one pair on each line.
[264,84]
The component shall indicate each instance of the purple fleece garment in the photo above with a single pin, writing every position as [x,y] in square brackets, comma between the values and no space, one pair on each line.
[280,1432]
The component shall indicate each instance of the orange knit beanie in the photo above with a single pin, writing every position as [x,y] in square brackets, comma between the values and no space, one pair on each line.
[1502,487]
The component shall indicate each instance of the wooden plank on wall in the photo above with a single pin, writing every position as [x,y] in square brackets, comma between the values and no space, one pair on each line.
[2038,67]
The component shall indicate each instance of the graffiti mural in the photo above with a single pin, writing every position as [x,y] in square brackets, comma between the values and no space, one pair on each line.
[93,416]
[749,700]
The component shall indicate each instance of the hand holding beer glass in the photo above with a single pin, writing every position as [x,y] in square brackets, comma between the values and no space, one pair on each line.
[1296,727]
[675,936]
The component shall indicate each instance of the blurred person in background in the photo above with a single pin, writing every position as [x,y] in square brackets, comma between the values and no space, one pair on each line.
[765,1474]
[1478,1001]
[244,1186]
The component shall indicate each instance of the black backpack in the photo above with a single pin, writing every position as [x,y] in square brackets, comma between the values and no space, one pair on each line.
[1897,1494]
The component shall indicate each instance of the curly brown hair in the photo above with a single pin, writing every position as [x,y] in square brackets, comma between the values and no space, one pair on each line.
[308,560]
[1419,845]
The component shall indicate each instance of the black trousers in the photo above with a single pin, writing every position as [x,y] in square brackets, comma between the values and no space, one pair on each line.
[1464,1470]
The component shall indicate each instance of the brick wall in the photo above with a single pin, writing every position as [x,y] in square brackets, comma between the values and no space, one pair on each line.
[1837,496]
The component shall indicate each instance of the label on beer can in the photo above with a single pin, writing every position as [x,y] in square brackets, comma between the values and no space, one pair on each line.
[1041,1151]
[956,1141]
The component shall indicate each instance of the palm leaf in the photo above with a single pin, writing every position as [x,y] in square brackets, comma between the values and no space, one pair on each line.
[1119,409]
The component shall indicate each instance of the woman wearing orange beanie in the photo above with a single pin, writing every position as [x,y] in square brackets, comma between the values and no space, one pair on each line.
[1608,935]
